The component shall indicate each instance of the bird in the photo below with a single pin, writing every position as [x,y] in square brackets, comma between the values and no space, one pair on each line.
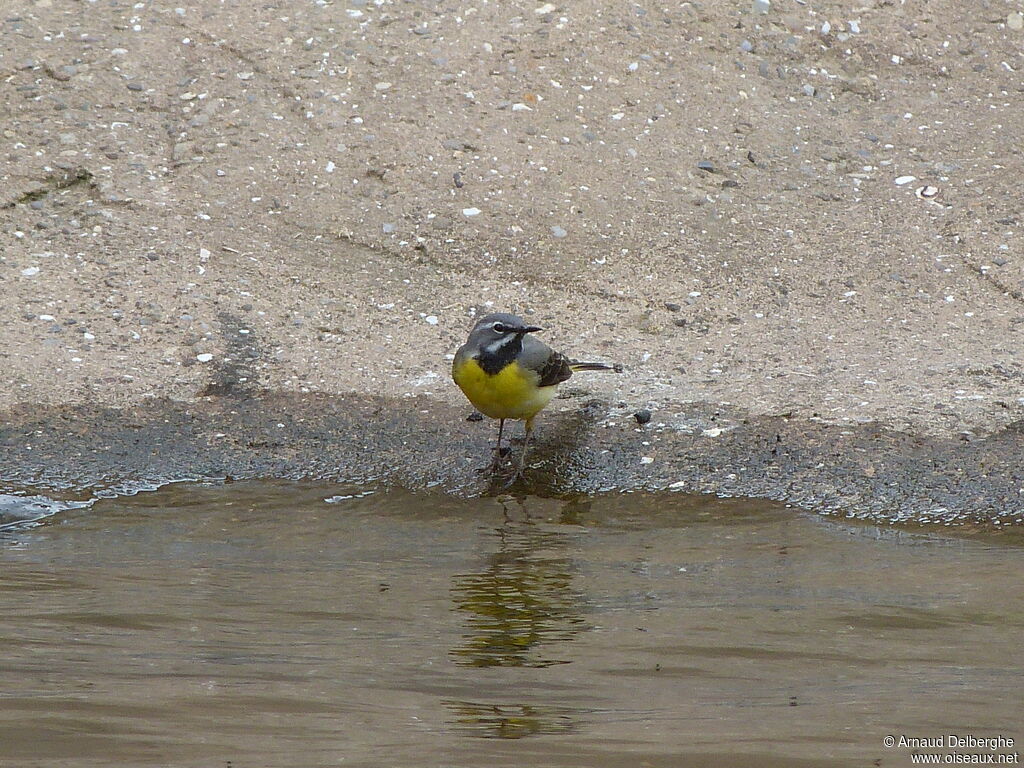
[507,373]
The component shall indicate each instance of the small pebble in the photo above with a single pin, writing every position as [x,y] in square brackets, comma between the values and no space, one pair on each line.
[205,357]
[475,416]
[706,165]
[30,271]
[901,180]
[761,6]
[647,460]
[642,416]
[388,228]
[558,232]
[471,212]
[431,319]
[1015,21]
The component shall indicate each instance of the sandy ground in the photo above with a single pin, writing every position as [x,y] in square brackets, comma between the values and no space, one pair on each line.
[316,198]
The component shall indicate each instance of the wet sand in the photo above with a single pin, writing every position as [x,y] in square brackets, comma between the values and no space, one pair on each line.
[582,445]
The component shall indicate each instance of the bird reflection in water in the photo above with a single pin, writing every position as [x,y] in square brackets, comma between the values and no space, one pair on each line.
[519,611]
[521,607]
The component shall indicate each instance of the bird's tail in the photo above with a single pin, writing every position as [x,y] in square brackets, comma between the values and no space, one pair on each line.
[580,366]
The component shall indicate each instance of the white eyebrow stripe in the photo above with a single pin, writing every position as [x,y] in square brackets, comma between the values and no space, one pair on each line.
[494,346]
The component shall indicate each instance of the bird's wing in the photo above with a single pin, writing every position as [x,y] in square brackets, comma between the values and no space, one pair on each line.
[552,367]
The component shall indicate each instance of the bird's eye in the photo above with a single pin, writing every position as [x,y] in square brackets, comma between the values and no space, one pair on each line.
[499,328]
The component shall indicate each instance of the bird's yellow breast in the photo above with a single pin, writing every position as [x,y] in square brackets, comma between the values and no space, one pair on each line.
[511,393]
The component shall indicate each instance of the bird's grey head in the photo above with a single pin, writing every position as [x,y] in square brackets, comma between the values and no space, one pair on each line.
[493,332]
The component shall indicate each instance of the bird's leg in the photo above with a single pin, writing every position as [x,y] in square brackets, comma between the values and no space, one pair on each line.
[526,444]
[496,461]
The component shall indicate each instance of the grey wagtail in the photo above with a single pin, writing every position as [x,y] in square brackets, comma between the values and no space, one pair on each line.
[508,374]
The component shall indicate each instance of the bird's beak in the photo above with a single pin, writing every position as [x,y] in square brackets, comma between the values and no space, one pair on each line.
[529,329]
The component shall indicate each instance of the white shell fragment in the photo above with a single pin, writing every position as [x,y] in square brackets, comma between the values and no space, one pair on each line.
[926,192]
[901,180]
[471,211]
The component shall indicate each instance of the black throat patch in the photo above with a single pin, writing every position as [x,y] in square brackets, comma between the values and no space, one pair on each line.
[494,362]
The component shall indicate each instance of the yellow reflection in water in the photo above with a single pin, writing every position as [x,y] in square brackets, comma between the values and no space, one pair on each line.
[510,721]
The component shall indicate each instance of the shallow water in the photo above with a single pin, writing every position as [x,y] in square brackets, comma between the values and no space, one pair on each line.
[257,624]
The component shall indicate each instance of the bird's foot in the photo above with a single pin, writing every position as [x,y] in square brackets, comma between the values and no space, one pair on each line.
[512,480]
[498,456]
